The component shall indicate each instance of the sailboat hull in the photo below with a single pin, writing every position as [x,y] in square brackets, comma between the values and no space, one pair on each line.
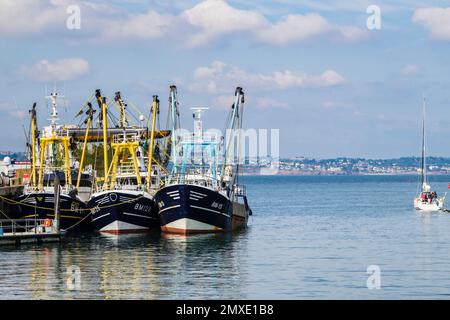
[434,206]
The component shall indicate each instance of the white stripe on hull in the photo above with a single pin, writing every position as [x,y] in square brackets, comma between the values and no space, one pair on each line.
[121,226]
[137,215]
[99,217]
[191,225]
[211,210]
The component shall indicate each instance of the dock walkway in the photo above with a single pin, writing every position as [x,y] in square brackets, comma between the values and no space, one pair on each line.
[17,231]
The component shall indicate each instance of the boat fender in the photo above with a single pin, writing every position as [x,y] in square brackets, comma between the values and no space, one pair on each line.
[47,223]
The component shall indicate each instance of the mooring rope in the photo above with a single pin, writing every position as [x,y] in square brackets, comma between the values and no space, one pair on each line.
[11,201]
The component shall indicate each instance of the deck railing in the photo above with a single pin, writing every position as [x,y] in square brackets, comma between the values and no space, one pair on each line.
[22,226]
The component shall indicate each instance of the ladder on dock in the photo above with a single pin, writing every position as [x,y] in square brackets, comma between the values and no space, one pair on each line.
[17,231]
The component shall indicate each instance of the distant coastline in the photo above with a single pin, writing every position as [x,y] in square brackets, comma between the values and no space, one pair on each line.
[289,173]
[341,166]
[303,166]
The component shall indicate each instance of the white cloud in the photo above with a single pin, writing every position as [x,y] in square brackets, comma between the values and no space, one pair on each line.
[12,109]
[199,25]
[435,20]
[294,28]
[215,18]
[59,70]
[206,72]
[220,77]
[151,25]
[289,79]
[223,102]
[269,103]
[352,34]
[409,69]
[29,16]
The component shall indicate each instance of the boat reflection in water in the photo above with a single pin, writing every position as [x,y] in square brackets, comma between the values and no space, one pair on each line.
[134,266]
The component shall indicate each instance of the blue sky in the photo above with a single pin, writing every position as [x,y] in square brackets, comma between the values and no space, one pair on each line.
[310,68]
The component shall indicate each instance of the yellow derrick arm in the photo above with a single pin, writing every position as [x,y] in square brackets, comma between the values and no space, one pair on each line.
[132,149]
[45,143]
[155,106]
[119,149]
[112,171]
[118,99]
[102,104]
[41,166]
[105,138]
[66,142]
[83,154]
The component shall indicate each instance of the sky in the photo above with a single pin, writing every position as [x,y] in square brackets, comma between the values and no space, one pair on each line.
[312,69]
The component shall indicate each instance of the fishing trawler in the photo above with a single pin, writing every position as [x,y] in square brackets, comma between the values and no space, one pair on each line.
[124,203]
[202,193]
[55,163]
[427,200]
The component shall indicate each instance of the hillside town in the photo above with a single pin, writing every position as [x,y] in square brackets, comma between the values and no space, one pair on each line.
[334,166]
[347,166]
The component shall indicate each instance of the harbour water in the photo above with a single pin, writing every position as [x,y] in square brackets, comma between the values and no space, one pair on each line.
[309,238]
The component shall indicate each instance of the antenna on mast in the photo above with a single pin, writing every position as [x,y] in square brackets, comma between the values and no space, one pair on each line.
[198,123]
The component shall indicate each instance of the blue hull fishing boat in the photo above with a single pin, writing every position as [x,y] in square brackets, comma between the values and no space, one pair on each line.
[202,193]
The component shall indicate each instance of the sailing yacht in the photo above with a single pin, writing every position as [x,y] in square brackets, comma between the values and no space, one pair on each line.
[427,200]
[202,193]
[55,163]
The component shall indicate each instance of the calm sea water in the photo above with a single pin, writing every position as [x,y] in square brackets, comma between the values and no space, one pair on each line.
[309,238]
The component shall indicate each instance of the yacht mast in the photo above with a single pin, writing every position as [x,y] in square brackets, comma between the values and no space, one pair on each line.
[423,179]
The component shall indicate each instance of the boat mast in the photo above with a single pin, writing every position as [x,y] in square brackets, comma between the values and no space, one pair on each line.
[175,119]
[423,178]
[122,107]
[239,131]
[102,104]
[33,135]
[90,113]
[232,127]
[155,107]
[54,116]
[52,140]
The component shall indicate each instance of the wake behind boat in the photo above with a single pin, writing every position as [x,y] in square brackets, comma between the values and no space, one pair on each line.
[427,200]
